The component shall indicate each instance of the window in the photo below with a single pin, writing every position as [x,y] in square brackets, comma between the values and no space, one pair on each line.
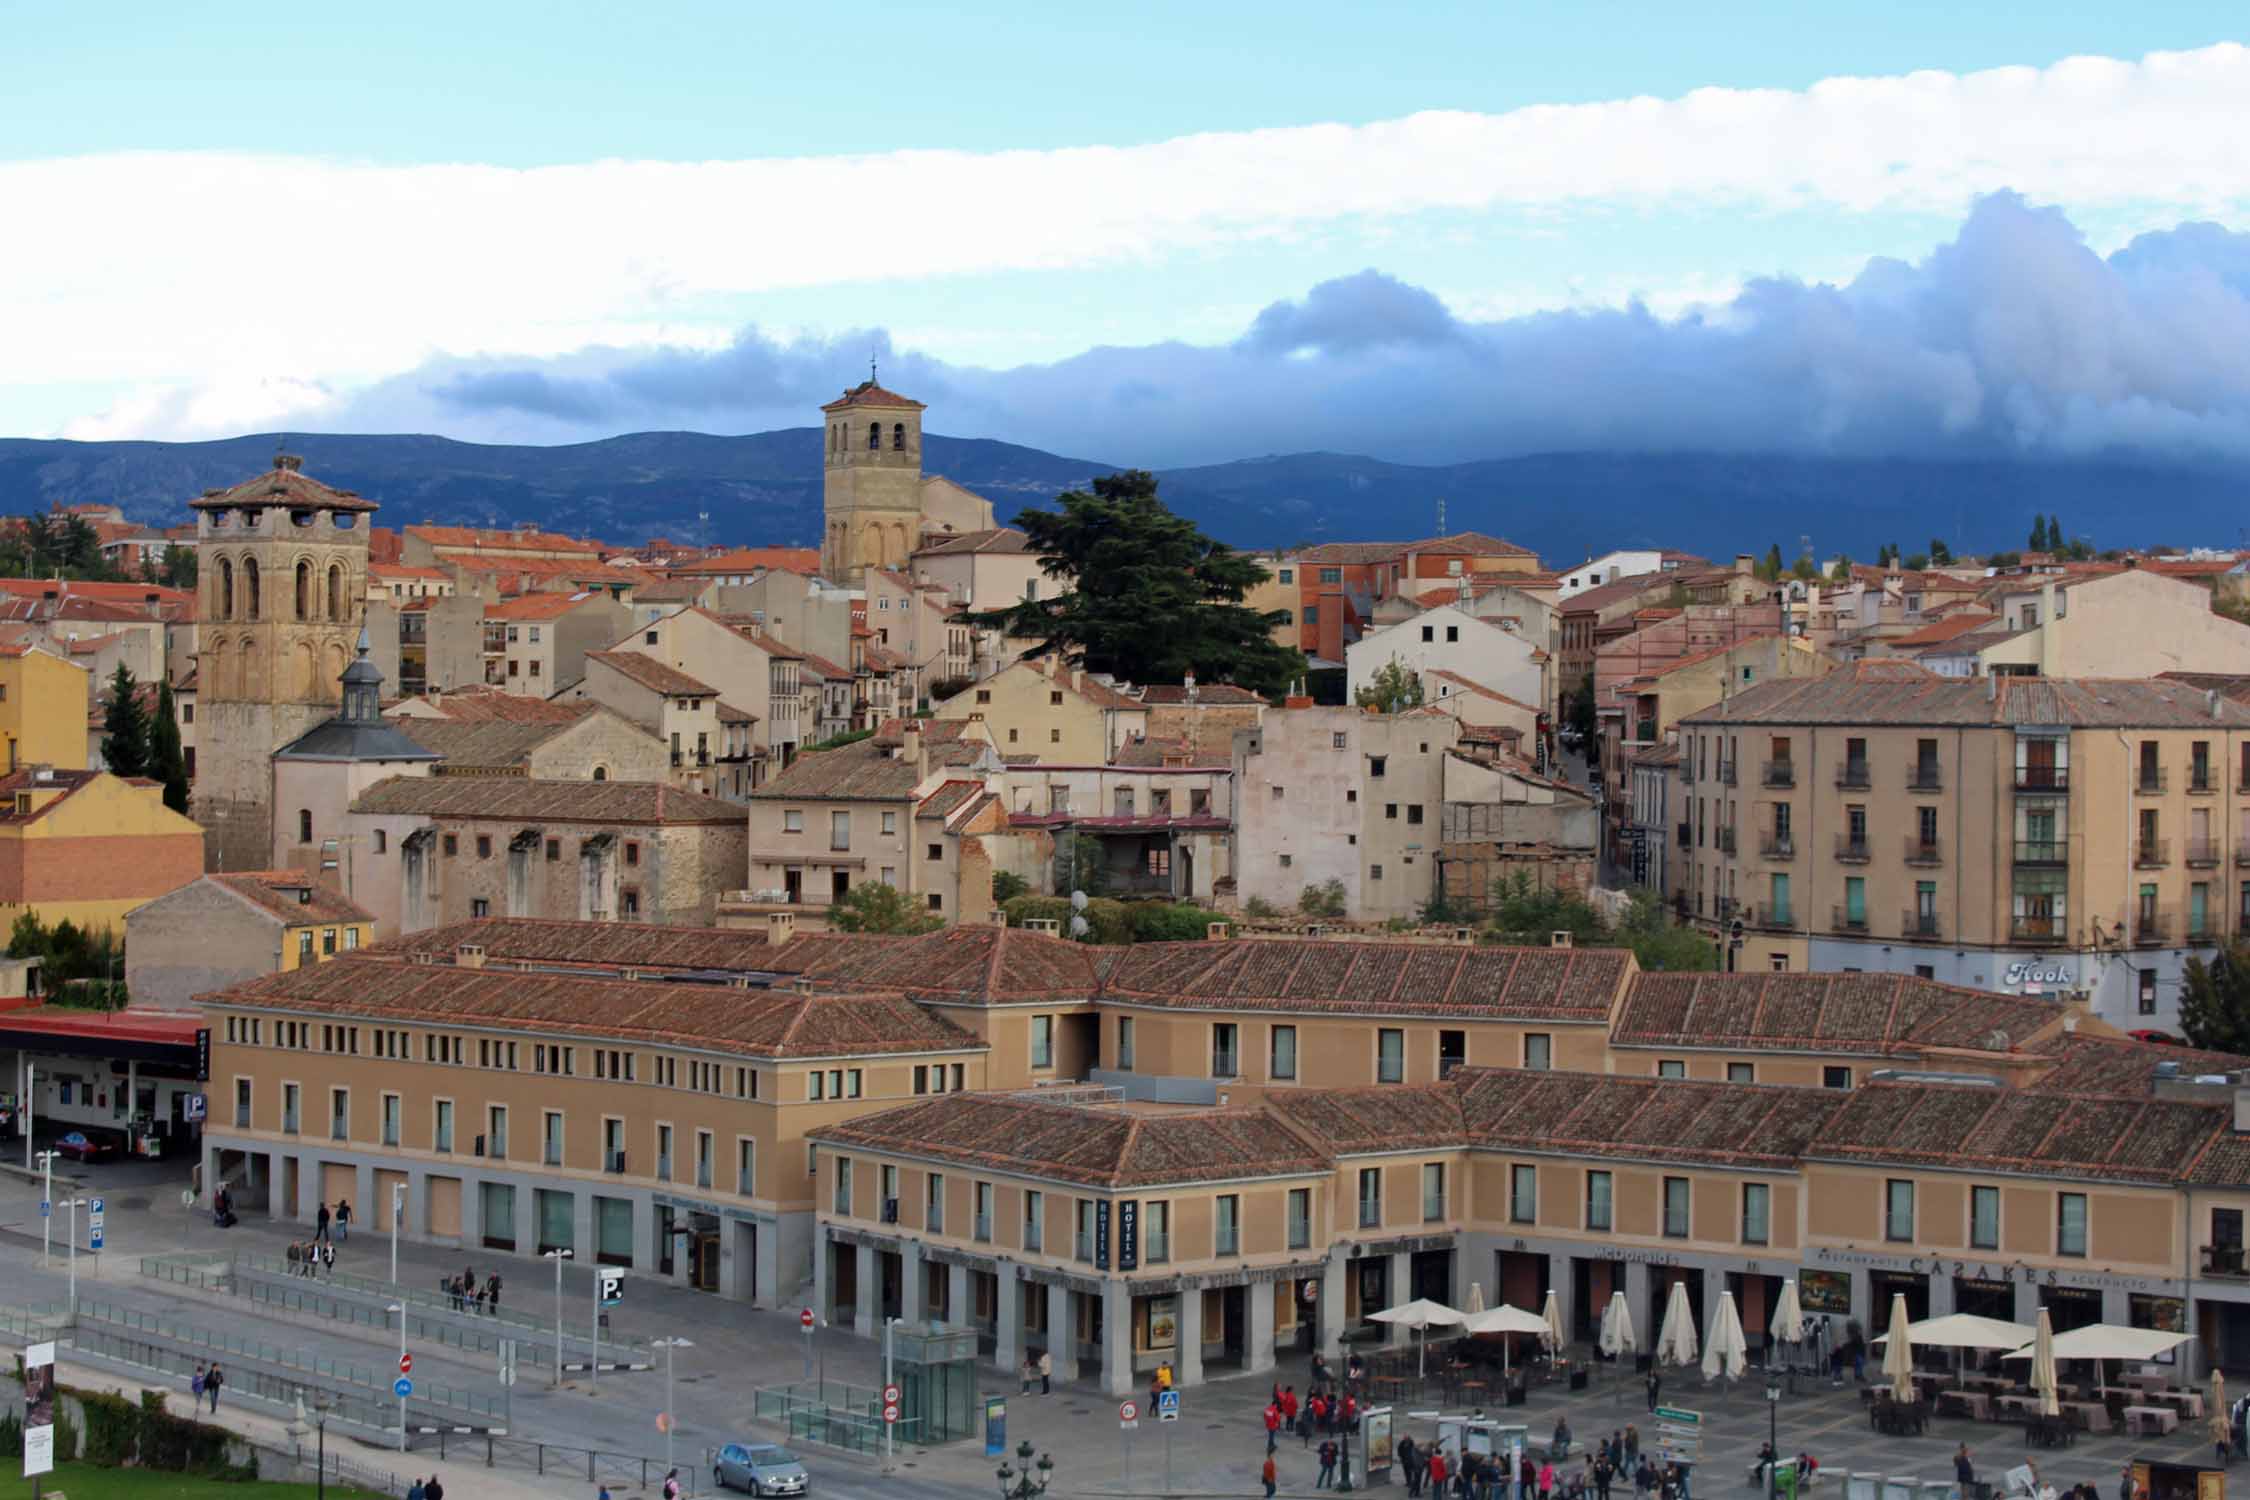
[390,1120]
[1390,811]
[1226,1061]
[1671,1067]
[1598,1189]
[289,1098]
[1984,1218]
[1084,1246]
[1226,1237]
[339,1114]
[452,845]
[241,1096]
[484,846]
[1675,1208]
[663,1153]
[937,851]
[382,841]
[1742,1072]
[551,1138]
[792,820]
[1453,632]
[745,1166]
[890,822]
[1374,872]
[1042,1041]
[479,907]
[1300,1218]
[1370,1197]
[1538,1051]
[2070,1223]
[2145,985]
[304,825]
[1156,1233]
[1898,1209]
[1413,813]
[1376,764]
[983,1225]
[1331,575]
[1124,1044]
[842,1202]
[1281,1053]
[496,1131]
[1390,1055]
[839,830]
[1835,1078]
[1757,1212]
[1523,1194]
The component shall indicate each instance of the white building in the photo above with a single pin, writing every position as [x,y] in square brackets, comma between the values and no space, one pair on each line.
[1628,562]
[1449,638]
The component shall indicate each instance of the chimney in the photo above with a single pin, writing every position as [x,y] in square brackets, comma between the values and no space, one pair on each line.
[1216,932]
[910,748]
[781,926]
[1560,938]
[2211,702]
[1077,679]
[1188,682]
[1745,564]
[469,956]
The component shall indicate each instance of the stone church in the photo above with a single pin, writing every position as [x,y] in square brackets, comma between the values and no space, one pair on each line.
[283,564]
[877,503]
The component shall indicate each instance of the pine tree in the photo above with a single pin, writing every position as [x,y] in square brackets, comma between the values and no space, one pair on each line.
[1940,554]
[2038,542]
[2215,999]
[2056,540]
[1773,563]
[167,762]
[125,742]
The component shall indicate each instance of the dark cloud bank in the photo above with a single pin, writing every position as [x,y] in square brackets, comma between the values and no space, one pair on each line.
[2012,341]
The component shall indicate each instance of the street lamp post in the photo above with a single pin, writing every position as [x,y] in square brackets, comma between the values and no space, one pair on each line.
[671,1413]
[400,1309]
[47,1205]
[73,1205]
[398,1212]
[320,1420]
[1773,1428]
[558,1257]
[1017,1483]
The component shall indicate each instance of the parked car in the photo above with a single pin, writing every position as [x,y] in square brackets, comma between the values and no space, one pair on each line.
[2146,1035]
[760,1468]
[79,1145]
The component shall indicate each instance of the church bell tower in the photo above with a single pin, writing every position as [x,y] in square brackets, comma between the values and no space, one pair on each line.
[871,492]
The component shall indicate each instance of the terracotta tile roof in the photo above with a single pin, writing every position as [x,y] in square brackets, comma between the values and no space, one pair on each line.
[479,742]
[748,560]
[1100,694]
[1479,689]
[406,570]
[670,590]
[1898,692]
[1594,600]
[2233,685]
[535,801]
[287,485]
[1309,974]
[999,540]
[862,771]
[481,703]
[652,674]
[1999,1129]
[1207,695]
[1477,542]
[1868,1014]
[823,668]
[1417,1117]
[949,799]
[543,606]
[754,631]
[868,393]
[30,779]
[981,965]
[1084,1144]
[642,946]
[729,714]
[1348,553]
[1725,1124]
[704,1017]
[2121,1065]
[484,539]
[1708,653]
[1147,751]
[1938,632]
[292,896]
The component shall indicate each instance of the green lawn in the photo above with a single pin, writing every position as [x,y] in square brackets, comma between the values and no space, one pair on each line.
[85,1482]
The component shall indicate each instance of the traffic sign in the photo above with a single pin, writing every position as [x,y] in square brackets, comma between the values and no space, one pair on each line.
[805,1320]
[402,1387]
[890,1412]
[406,1364]
[1167,1406]
[194,1107]
[46,1209]
[1128,1415]
[94,1239]
[890,1395]
[609,1286]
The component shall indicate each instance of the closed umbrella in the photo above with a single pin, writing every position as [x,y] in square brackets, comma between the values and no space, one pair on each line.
[2043,1366]
[2222,1430]
[1898,1357]
[1617,1337]
[1788,1320]
[1725,1352]
[1552,1314]
[1675,1341]
[1476,1297]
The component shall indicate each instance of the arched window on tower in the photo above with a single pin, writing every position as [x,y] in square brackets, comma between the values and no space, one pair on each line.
[898,437]
[226,589]
[874,437]
[335,591]
[304,589]
[252,601]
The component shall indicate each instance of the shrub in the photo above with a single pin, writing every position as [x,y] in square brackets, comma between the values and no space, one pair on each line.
[1169,922]
[1325,900]
[112,1429]
[1007,885]
[1030,908]
[1260,907]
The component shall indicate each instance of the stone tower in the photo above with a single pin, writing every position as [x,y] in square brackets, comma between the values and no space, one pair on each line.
[871,494]
[283,566]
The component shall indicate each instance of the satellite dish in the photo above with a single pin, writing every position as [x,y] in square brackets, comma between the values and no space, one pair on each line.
[1077,900]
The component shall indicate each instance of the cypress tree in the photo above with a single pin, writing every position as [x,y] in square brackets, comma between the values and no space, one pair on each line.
[167,762]
[125,727]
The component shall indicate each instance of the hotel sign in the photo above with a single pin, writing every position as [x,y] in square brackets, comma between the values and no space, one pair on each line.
[1128,1233]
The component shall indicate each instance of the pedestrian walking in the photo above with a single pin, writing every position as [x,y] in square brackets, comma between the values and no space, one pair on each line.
[212,1380]
[343,1221]
[1272,1419]
[414,1492]
[1439,1469]
[1407,1454]
[320,1223]
[1030,1368]
[1655,1387]
[672,1485]
[433,1490]
[195,1387]
[1327,1464]
[2125,1483]
[492,1292]
[1267,1474]
[1965,1472]
[1046,1373]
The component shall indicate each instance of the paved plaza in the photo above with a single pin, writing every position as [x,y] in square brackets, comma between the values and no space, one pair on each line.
[1215,1449]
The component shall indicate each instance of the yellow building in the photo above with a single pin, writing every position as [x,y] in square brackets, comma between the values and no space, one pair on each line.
[89,846]
[1060,714]
[42,709]
[231,928]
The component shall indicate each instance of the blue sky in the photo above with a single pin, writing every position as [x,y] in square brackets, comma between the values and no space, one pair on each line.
[1065,220]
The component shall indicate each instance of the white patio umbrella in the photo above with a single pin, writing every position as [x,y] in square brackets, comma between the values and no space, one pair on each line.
[1505,1320]
[1421,1314]
[1617,1337]
[2099,1342]
[1675,1341]
[1476,1298]
[1725,1352]
[1551,1315]
[1967,1331]
[1787,1322]
[2043,1366]
[1898,1358]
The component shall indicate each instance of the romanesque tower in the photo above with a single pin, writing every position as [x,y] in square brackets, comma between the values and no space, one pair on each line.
[283,566]
[872,482]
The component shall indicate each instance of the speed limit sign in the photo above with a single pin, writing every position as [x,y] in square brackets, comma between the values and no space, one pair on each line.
[890,1395]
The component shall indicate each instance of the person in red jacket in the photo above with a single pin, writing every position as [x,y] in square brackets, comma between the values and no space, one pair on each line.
[1439,1472]
[1273,1424]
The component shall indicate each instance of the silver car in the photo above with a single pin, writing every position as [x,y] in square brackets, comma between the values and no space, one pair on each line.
[760,1468]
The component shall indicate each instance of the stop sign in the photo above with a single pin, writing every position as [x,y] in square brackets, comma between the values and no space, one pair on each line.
[805,1320]
[406,1364]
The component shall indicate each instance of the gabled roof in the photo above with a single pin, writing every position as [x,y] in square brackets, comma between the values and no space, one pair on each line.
[656,676]
[479,703]
[1478,688]
[533,800]
[998,540]
[1477,542]
[1309,974]
[1602,596]
[2015,1130]
[640,947]
[1867,1014]
[1938,632]
[541,606]
[293,896]
[2122,1065]
[1207,695]
[1900,692]
[748,560]
[979,965]
[524,539]
[868,393]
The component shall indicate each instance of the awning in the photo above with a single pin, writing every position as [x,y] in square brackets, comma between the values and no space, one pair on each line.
[2110,1341]
[1966,1331]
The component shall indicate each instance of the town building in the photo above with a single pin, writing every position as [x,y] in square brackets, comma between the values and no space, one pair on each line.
[43,698]
[1055,712]
[681,712]
[877,505]
[1159,822]
[2133,623]
[750,672]
[227,928]
[537,643]
[1629,562]
[2018,834]
[317,777]
[87,847]
[1448,637]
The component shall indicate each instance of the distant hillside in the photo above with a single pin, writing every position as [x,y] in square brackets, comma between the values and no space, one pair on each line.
[766,487]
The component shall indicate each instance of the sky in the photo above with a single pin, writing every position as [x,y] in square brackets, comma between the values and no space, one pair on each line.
[1158,234]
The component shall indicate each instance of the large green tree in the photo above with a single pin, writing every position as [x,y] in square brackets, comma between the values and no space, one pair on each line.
[167,762]
[125,743]
[877,907]
[2215,1000]
[1391,689]
[1146,595]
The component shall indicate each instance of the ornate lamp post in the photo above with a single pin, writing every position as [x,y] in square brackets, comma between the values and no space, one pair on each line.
[1017,1483]
[1773,1428]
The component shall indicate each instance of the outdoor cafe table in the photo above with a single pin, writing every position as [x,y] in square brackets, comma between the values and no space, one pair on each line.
[2019,1403]
[2147,1380]
[2091,1415]
[2143,1418]
[1976,1403]
[2190,1403]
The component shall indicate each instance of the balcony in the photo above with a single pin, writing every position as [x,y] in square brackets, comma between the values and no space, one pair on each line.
[2150,780]
[2042,852]
[1226,1240]
[613,1162]
[1726,773]
[339,1130]
[1778,846]
[1920,924]
[1854,776]
[2043,780]
[1779,773]
[2037,929]
[2152,854]
[1300,1232]
[1925,778]
[1433,1208]
[1644,733]
[1156,1246]
[1370,1213]
[983,1228]
[1031,1235]
[1851,849]
[289,1123]
[1082,1245]
[2203,854]
[678,759]
[1767,917]
[2151,928]
[2203,929]
[1226,1063]
[1922,851]
[1847,920]
[933,1218]
[2202,780]
[2224,1260]
[552,1155]
[1723,840]
[703,1175]
[663,1165]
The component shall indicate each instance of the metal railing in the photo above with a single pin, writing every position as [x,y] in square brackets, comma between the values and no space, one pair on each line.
[833,1413]
[1921,778]
[1226,1063]
[1082,1245]
[1726,773]
[1226,1239]
[2152,780]
[1845,919]
[983,1230]
[1433,1208]
[2043,779]
[2037,929]
[933,1218]
[2203,853]
[1724,839]
[1031,1234]
[1855,776]
[1852,850]
[1777,846]
[2202,779]
[1919,924]
[2149,854]
[1922,851]
[1779,773]
[1370,1212]
[2151,927]
[2042,852]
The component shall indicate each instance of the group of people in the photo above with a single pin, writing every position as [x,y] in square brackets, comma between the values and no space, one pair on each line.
[1038,1365]
[340,1222]
[468,1296]
[208,1379]
[312,1257]
[426,1489]
[222,1209]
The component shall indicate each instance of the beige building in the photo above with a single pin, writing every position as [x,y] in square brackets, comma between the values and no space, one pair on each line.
[1162,823]
[537,643]
[595,744]
[750,672]
[2018,834]
[877,504]
[2128,624]
[680,711]
[1055,712]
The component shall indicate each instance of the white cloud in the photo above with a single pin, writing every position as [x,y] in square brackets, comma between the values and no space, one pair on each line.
[222,270]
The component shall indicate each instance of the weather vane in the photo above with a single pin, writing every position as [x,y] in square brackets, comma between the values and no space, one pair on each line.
[870,368]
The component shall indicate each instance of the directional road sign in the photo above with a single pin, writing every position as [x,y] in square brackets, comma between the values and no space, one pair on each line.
[402,1387]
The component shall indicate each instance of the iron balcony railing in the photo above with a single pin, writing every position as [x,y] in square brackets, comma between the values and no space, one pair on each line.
[1922,851]
[1852,849]
[2150,854]
[1779,846]
[1847,920]
[1919,924]
[2152,780]
[1780,773]
[1854,776]
[1925,778]
[2042,852]
[2044,780]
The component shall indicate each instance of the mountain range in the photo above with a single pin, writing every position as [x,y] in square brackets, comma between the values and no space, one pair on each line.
[765,487]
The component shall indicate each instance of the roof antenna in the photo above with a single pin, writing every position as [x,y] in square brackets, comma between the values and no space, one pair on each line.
[870,367]
[1441,515]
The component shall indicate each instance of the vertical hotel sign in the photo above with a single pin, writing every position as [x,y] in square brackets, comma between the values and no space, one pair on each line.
[39,1410]
[1129,1235]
